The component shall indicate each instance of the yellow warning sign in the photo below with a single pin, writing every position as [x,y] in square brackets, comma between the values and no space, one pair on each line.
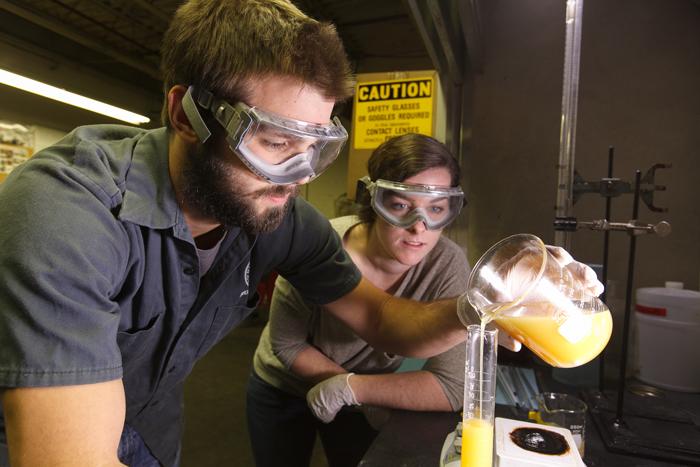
[385,109]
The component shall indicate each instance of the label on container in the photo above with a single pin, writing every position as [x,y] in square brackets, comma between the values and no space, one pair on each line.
[650,310]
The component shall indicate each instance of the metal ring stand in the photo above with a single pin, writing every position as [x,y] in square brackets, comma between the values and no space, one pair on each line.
[643,423]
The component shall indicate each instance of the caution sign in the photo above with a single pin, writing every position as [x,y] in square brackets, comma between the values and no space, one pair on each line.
[386,109]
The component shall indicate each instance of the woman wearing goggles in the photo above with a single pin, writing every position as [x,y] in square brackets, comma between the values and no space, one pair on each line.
[404,204]
[308,357]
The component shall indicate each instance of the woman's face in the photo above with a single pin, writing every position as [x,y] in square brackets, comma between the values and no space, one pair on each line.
[409,246]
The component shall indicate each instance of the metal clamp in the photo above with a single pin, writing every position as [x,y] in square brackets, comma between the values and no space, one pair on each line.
[612,187]
[633,227]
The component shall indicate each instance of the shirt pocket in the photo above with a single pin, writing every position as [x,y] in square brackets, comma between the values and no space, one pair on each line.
[138,343]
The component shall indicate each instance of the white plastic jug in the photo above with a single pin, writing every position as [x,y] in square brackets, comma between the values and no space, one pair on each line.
[668,321]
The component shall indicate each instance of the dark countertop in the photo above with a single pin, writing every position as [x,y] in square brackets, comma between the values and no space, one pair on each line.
[415,439]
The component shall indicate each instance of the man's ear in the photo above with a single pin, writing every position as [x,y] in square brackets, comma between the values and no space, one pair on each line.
[176,114]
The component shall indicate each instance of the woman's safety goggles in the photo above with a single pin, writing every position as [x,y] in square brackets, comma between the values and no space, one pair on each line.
[403,205]
[280,150]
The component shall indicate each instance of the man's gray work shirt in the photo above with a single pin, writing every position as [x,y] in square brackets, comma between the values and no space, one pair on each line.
[99,275]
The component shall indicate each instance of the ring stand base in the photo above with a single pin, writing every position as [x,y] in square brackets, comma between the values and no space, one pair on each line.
[651,427]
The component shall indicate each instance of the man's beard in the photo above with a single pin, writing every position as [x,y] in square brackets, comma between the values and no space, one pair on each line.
[214,188]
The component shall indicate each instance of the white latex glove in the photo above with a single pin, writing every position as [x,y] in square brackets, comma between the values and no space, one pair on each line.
[580,271]
[329,396]
[467,315]
[520,274]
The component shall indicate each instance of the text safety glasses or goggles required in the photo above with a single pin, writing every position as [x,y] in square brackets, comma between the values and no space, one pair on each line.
[403,205]
[278,149]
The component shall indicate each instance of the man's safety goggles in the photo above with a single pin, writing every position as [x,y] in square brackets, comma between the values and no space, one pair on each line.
[280,150]
[403,205]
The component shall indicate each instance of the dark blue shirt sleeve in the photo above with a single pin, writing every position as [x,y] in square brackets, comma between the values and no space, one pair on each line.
[62,251]
[315,262]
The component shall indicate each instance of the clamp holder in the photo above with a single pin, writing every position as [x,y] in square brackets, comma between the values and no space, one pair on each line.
[633,227]
[613,187]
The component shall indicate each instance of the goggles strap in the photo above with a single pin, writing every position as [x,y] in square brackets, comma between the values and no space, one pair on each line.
[193,115]
[363,185]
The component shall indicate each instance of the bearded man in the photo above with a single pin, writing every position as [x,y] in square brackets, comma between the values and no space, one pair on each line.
[127,254]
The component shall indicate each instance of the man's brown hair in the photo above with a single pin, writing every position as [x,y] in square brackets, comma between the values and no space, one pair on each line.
[221,44]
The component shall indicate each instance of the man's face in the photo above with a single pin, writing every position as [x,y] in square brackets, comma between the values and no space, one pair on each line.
[221,187]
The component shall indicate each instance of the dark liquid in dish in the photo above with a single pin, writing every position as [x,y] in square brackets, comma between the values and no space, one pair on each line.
[540,440]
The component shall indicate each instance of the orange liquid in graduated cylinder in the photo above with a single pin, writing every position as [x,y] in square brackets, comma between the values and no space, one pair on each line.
[541,335]
[477,443]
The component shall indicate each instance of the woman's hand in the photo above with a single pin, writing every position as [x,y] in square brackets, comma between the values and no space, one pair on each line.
[329,396]
[581,272]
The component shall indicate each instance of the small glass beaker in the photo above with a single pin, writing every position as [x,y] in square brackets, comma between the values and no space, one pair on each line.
[519,284]
[479,397]
[565,411]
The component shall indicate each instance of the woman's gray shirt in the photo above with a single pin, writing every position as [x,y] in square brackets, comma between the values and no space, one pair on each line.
[295,324]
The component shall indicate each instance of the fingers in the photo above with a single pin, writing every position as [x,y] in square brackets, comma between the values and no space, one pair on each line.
[560,255]
[506,341]
[580,271]
[322,402]
[587,276]
[326,398]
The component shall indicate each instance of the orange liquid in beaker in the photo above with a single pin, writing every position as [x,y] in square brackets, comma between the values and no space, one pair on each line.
[477,443]
[586,337]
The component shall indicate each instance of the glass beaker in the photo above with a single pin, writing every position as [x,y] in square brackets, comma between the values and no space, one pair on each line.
[479,397]
[563,410]
[521,286]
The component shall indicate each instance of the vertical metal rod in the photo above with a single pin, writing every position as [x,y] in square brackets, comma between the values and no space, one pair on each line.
[569,108]
[604,279]
[628,303]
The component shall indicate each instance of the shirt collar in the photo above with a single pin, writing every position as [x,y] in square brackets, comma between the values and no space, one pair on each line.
[149,198]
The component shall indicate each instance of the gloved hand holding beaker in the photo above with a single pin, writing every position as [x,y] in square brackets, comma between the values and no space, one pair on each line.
[542,297]
[580,272]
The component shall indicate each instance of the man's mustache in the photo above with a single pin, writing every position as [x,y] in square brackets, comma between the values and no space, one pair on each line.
[278,190]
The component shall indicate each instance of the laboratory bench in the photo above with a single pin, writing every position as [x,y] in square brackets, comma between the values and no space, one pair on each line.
[415,439]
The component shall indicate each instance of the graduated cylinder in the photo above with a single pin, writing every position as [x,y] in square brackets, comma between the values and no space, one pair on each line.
[479,397]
